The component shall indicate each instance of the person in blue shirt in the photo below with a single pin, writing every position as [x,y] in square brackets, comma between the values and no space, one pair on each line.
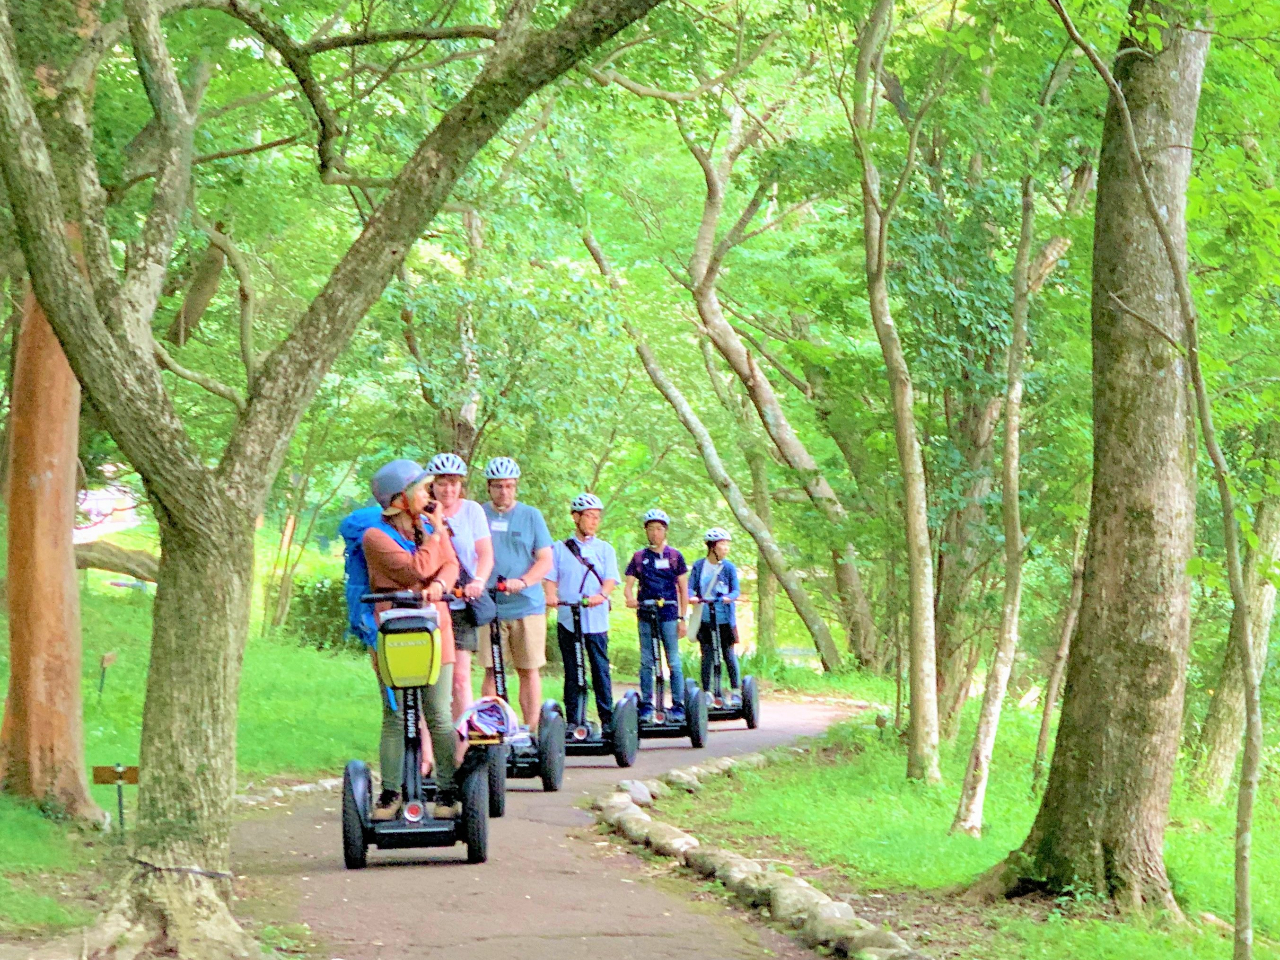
[661,574]
[522,557]
[584,568]
[714,580]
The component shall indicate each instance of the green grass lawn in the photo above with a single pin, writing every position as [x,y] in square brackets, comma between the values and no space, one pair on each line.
[846,805]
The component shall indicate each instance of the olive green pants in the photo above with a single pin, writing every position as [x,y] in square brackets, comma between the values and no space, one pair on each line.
[437,702]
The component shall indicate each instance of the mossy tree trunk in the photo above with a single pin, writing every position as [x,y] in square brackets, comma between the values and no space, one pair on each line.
[1100,827]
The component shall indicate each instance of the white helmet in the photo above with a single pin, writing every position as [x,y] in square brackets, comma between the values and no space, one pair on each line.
[447,464]
[585,501]
[715,535]
[502,468]
[659,515]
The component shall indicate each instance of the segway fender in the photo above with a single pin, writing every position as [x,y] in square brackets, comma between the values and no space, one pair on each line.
[357,775]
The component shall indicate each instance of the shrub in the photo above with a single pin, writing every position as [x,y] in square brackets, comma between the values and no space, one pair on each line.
[318,616]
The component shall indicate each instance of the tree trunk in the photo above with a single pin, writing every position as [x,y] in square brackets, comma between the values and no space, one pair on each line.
[204,287]
[746,517]
[1070,618]
[101,555]
[42,739]
[1101,824]
[973,793]
[766,582]
[187,764]
[1224,725]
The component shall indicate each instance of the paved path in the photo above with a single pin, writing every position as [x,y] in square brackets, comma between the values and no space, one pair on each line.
[548,892]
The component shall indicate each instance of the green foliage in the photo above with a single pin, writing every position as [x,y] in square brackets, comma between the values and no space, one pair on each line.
[318,616]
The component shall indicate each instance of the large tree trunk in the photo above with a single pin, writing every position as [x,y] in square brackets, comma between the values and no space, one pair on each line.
[42,740]
[746,517]
[1224,725]
[187,765]
[1100,827]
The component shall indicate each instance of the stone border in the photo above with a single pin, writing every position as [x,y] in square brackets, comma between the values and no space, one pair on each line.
[275,794]
[823,923]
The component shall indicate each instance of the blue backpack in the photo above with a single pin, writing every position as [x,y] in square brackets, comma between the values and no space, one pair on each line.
[360,619]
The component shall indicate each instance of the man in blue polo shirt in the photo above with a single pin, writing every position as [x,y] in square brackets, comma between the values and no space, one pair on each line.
[662,574]
[584,569]
[522,557]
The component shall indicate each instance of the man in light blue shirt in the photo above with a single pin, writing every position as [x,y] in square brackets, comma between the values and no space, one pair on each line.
[584,569]
[521,558]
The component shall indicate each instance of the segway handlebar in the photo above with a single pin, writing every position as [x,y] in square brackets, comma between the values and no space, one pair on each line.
[412,597]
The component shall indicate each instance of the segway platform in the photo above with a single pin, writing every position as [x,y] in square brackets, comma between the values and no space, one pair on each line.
[584,738]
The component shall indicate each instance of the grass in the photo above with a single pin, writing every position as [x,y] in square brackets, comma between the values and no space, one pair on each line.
[846,806]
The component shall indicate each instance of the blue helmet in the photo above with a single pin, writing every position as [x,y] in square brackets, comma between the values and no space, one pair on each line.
[502,468]
[394,479]
[659,515]
[447,464]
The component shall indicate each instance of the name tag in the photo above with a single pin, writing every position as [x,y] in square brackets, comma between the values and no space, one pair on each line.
[498,526]
[663,564]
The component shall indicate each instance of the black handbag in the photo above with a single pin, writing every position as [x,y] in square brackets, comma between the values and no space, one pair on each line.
[482,610]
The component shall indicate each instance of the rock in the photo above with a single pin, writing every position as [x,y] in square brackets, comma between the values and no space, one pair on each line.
[750,761]
[614,798]
[734,875]
[635,826]
[638,792]
[828,922]
[668,840]
[791,899]
[697,772]
[858,942]
[719,765]
[657,789]
[710,861]
[679,780]
[881,953]
[330,783]
[616,814]
[303,788]
[276,792]
[756,889]
[248,801]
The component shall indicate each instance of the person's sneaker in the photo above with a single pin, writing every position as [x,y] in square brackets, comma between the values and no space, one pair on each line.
[387,807]
[447,811]
[676,713]
[646,713]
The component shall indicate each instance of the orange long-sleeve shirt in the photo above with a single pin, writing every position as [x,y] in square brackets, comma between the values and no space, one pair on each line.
[391,567]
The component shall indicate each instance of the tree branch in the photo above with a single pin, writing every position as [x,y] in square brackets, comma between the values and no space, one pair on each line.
[605,77]
[216,387]
[248,299]
[469,32]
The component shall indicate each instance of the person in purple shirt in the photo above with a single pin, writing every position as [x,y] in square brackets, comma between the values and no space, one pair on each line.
[661,573]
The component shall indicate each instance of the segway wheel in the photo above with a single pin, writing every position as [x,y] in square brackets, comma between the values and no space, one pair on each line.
[551,731]
[750,702]
[696,716]
[475,814]
[626,731]
[356,785]
[690,688]
[496,763]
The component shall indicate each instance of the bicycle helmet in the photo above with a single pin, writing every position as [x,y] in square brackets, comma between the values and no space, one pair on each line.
[447,464]
[585,501]
[394,479]
[502,468]
[715,535]
[659,515]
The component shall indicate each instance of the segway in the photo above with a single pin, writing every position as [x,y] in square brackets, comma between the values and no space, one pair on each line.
[585,738]
[730,706]
[528,758]
[661,726]
[406,635]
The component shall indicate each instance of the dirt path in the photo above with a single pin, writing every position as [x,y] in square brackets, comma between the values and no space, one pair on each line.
[548,892]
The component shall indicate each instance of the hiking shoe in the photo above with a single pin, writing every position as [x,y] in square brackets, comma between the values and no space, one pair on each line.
[387,807]
[676,713]
[646,713]
[447,811]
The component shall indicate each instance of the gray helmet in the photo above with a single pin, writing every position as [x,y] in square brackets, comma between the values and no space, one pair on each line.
[659,515]
[585,501]
[502,468]
[716,534]
[394,479]
[447,464]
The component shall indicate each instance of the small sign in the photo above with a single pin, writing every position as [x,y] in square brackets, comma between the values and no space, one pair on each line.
[116,774]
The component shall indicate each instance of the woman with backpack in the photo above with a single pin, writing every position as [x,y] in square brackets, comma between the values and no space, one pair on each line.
[407,548]
[469,529]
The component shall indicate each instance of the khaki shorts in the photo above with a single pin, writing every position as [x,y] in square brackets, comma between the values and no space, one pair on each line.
[524,642]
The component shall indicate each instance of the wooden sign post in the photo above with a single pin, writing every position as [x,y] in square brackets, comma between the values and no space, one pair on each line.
[119,775]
